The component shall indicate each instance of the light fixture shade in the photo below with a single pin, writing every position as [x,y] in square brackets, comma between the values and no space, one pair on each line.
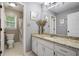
[12,4]
[46,3]
[53,4]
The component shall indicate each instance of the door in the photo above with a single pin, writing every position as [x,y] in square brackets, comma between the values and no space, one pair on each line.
[73,22]
[52,25]
[2,18]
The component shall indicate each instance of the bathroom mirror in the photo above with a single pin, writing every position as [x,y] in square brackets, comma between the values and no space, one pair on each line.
[66,21]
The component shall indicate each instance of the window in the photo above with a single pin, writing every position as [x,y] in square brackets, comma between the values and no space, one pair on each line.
[10,22]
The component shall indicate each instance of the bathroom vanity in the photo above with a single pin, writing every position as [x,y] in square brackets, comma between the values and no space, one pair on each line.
[45,45]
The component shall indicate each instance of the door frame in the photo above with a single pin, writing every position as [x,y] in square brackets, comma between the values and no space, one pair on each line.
[3,27]
[24,28]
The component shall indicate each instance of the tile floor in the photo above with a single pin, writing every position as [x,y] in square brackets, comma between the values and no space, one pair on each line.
[17,51]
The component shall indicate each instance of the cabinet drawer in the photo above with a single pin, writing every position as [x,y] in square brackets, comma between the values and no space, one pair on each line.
[46,43]
[64,50]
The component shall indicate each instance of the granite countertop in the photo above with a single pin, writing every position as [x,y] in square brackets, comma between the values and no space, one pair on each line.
[72,42]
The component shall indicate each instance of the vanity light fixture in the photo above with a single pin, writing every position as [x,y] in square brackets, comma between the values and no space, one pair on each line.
[12,4]
[53,4]
[49,3]
[46,3]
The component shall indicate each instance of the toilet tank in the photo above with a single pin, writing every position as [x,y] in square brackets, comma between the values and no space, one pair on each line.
[10,36]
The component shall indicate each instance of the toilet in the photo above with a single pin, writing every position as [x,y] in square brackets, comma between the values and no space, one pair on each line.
[10,40]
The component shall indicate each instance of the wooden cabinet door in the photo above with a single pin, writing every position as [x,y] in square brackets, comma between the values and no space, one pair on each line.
[77,52]
[59,53]
[61,50]
[41,49]
[48,52]
[34,45]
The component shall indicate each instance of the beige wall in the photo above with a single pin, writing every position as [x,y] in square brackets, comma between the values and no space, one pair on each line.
[12,12]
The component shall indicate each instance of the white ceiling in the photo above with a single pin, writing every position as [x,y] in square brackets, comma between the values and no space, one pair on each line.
[19,7]
[64,7]
[57,9]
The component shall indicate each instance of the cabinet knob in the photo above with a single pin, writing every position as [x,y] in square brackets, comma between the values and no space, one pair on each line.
[0,53]
[68,31]
[0,29]
[54,53]
[0,6]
